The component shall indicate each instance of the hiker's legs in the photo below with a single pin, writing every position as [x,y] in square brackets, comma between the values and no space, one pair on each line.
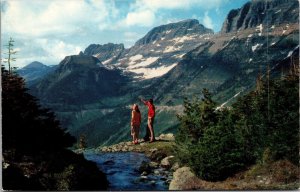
[137,133]
[147,135]
[150,125]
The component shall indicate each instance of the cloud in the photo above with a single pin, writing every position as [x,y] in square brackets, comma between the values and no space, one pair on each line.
[207,21]
[141,18]
[44,17]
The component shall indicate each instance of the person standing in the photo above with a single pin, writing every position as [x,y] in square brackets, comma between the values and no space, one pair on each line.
[151,115]
[135,123]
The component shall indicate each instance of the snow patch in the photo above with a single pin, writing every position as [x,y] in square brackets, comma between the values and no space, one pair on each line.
[273,26]
[144,63]
[184,38]
[278,11]
[179,55]
[169,31]
[250,35]
[107,61]
[133,59]
[260,29]
[250,60]
[149,73]
[256,46]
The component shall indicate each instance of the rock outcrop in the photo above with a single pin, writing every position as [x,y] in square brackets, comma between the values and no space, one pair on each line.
[262,12]
[173,30]
[106,53]
[184,179]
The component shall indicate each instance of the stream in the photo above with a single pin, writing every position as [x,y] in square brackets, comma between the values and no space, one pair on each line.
[122,171]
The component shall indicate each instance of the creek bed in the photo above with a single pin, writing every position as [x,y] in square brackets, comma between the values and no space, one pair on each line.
[122,171]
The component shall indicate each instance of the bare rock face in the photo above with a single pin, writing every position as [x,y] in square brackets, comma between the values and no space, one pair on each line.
[173,30]
[265,12]
[105,52]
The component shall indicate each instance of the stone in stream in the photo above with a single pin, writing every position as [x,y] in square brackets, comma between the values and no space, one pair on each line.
[153,164]
[144,173]
[144,167]
[143,178]
[175,166]
[167,162]
[156,172]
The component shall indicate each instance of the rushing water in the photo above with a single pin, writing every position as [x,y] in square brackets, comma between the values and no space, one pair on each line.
[122,171]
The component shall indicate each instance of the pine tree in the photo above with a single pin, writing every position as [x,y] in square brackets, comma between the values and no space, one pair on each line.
[10,52]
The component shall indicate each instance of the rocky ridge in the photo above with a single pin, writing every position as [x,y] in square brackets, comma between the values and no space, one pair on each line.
[261,12]
[158,51]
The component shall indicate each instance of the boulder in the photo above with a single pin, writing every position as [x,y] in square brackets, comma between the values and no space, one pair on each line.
[153,164]
[167,162]
[175,166]
[184,179]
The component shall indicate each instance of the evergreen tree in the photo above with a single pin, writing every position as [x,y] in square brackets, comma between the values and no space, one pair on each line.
[34,146]
[10,54]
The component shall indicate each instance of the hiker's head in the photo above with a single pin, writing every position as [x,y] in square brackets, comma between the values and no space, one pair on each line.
[151,101]
[135,107]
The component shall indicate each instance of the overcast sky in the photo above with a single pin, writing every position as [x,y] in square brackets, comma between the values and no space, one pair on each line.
[49,30]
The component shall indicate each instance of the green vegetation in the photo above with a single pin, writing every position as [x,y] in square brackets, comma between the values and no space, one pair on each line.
[260,127]
[34,146]
[35,154]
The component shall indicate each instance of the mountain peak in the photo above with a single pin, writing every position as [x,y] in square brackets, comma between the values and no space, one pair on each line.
[79,60]
[105,52]
[265,12]
[35,65]
[172,30]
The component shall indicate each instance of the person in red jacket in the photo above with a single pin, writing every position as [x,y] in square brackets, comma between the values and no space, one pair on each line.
[151,116]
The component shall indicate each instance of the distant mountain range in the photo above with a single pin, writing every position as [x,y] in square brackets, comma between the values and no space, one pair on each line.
[34,71]
[91,93]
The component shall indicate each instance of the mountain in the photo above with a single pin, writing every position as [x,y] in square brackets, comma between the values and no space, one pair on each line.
[78,79]
[169,63]
[158,51]
[34,71]
[105,53]
[261,12]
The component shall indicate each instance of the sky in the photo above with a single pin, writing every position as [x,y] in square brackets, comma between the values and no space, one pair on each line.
[48,30]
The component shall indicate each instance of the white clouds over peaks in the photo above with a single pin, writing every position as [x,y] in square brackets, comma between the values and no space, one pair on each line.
[144,12]
[43,17]
[140,17]
[207,21]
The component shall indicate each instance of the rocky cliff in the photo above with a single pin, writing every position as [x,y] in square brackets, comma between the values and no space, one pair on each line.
[262,12]
[105,53]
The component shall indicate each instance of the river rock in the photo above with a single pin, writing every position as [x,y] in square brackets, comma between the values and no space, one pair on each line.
[156,172]
[183,179]
[175,166]
[144,167]
[143,178]
[153,164]
[167,162]
[144,173]
[153,150]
